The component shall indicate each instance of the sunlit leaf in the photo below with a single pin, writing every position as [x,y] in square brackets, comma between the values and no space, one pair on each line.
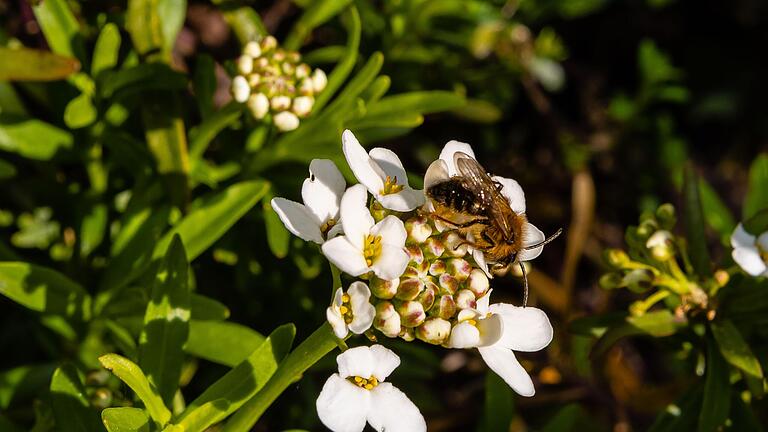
[44,290]
[60,27]
[107,49]
[24,64]
[316,14]
[130,373]
[80,112]
[221,342]
[32,138]
[71,406]
[125,419]
[694,224]
[734,348]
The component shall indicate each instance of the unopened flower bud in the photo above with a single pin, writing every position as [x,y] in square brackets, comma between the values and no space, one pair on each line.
[382,288]
[240,89]
[252,49]
[665,214]
[455,245]
[319,80]
[465,299]
[280,103]
[427,296]
[415,254]
[647,228]
[288,68]
[459,268]
[302,105]
[279,56]
[409,288]
[268,43]
[434,330]
[437,268]
[638,280]
[411,313]
[102,398]
[722,277]
[445,307]
[302,71]
[418,229]
[407,334]
[478,282]
[254,80]
[448,284]
[661,245]
[387,320]
[286,121]
[306,87]
[616,258]
[433,248]
[245,64]
[611,281]
[258,104]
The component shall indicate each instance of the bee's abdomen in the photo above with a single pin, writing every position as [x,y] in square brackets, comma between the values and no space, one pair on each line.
[455,195]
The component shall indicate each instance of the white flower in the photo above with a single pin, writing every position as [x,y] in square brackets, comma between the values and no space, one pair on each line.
[750,252]
[382,173]
[358,394]
[367,247]
[351,311]
[318,218]
[445,167]
[476,327]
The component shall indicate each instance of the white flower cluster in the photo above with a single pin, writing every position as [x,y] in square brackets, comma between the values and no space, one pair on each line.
[273,82]
[750,251]
[423,282]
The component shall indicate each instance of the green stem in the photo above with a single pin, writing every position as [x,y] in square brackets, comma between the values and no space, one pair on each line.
[315,347]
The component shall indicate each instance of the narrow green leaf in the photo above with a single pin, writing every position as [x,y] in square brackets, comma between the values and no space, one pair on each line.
[717,214]
[32,138]
[499,406]
[315,15]
[277,236]
[359,83]
[221,342]
[758,223]
[657,323]
[92,228]
[717,392]
[734,348]
[344,67]
[202,135]
[479,111]
[423,102]
[206,308]
[10,103]
[204,86]
[24,64]
[395,120]
[80,112]
[125,419]
[107,49]
[44,290]
[203,416]
[144,25]
[166,323]
[171,14]
[131,375]
[242,382]
[376,90]
[70,402]
[757,195]
[245,22]
[24,382]
[694,224]
[60,28]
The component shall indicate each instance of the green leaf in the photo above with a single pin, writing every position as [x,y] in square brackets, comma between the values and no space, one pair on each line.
[143,23]
[241,383]
[205,308]
[142,78]
[203,416]
[131,374]
[717,392]
[80,112]
[359,83]
[757,194]
[93,228]
[202,135]
[244,21]
[221,342]
[107,49]
[717,214]
[344,67]
[657,323]
[44,290]
[565,420]
[680,415]
[277,235]
[24,64]
[315,15]
[734,348]
[171,14]
[6,170]
[423,102]
[24,382]
[479,111]
[32,138]
[60,28]
[499,406]
[70,402]
[758,223]
[166,323]
[694,225]
[204,86]
[125,419]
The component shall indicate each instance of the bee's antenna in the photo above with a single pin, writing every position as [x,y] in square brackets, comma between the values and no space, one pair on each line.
[545,241]
[525,283]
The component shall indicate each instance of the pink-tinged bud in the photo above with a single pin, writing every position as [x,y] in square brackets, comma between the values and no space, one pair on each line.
[302,71]
[445,307]
[427,296]
[433,248]
[465,299]
[268,43]
[437,268]
[407,334]
[415,254]
[448,284]
[409,288]
[411,313]
[478,282]
[382,288]
[434,330]
[418,229]
[455,245]
[387,320]
[459,268]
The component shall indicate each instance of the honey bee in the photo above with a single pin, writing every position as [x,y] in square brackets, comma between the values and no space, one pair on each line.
[472,203]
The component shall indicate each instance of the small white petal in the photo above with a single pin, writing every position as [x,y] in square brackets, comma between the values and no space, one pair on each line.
[286,121]
[748,258]
[741,238]
[491,330]
[512,190]
[391,263]
[464,335]
[503,362]
[393,411]
[337,322]
[483,303]
[355,215]
[343,406]
[338,297]
[404,201]
[479,258]
[335,230]
[357,361]
[363,311]
[531,236]
[525,328]
[323,189]
[389,164]
[360,163]
[447,154]
[392,231]
[385,361]
[298,219]
[437,172]
[762,241]
[345,256]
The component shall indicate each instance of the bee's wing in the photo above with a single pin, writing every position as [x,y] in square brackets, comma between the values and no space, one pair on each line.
[483,185]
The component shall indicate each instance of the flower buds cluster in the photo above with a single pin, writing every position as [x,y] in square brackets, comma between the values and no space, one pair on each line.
[274,83]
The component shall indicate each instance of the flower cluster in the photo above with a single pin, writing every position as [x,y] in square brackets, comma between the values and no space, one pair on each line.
[416,276]
[273,82]
[750,251]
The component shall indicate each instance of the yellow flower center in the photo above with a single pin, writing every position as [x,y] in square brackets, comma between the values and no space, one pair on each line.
[371,248]
[346,309]
[366,383]
[324,228]
[391,186]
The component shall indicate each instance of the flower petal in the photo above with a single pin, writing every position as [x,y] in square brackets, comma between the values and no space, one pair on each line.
[355,215]
[464,335]
[390,164]
[392,231]
[323,189]
[363,311]
[503,362]
[385,361]
[437,172]
[345,256]
[748,258]
[360,163]
[525,328]
[531,236]
[357,361]
[741,238]
[404,201]
[298,219]
[337,322]
[394,412]
[479,258]
[447,154]
[512,190]
[343,406]
[391,263]
[482,304]
[491,330]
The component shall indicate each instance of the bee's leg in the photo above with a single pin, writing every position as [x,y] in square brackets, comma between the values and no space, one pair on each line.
[456,225]
[525,283]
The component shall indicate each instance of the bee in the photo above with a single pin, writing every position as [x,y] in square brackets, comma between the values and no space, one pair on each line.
[472,203]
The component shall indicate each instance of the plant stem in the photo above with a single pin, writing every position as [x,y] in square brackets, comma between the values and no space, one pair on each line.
[315,347]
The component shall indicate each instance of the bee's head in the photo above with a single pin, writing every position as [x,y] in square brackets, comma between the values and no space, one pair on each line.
[501,267]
